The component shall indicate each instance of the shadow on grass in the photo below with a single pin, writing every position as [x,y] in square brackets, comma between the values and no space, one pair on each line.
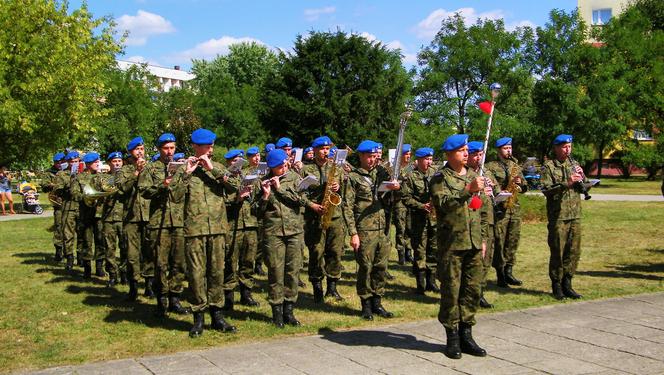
[41,258]
[379,338]
[515,290]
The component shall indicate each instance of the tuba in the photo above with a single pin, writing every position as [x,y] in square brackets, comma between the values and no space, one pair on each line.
[92,195]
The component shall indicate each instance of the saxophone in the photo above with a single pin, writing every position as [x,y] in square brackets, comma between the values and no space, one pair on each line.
[330,198]
[513,187]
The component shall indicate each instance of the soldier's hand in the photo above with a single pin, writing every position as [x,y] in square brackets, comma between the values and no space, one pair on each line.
[266,187]
[297,165]
[317,208]
[167,180]
[483,250]
[476,185]
[488,190]
[355,242]
[394,185]
[205,162]
[574,178]
[192,164]
[244,193]
[428,207]
[277,183]
[334,186]
[517,180]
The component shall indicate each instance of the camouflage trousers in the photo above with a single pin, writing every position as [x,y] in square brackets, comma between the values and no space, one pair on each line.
[487,261]
[140,258]
[371,258]
[424,242]
[401,239]
[325,249]
[57,227]
[69,231]
[168,249]
[205,270]
[565,247]
[283,256]
[240,258]
[460,275]
[92,239]
[113,239]
[506,242]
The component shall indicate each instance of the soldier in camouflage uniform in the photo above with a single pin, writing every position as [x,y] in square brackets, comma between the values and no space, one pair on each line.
[165,226]
[325,246]
[475,151]
[140,260]
[205,231]
[280,207]
[254,158]
[92,232]
[417,198]
[48,185]
[461,233]
[401,218]
[62,186]
[562,181]
[507,220]
[112,210]
[364,212]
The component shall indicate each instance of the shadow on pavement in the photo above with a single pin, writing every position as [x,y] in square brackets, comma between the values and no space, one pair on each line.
[379,338]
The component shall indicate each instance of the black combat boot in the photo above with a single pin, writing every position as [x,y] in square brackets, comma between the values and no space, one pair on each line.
[99,268]
[468,344]
[378,309]
[87,269]
[318,291]
[123,277]
[567,288]
[246,298]
[175,306]
[278,315]
[332,290]
[229,300]
[431,282]
[58,254]
[162,304]
[509,278]
[452,346]
[133,291]
[500,278]
[112,280]
[218,321]
[289,318]
[149,293]
[367,314]
[197,329]
[79,260]
[402,258]
[557,290]
[408,256]
[420,278]
[70,263]
[483,302]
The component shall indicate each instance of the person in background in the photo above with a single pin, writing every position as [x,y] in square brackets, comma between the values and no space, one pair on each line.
[6,191]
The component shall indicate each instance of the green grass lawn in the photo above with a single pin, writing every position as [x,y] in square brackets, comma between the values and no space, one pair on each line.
[634,185]
[50,318]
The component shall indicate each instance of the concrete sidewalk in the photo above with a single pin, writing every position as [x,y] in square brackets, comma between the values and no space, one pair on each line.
[615,336]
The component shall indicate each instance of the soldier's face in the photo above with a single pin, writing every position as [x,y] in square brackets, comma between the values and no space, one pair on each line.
[279,170]
[166,151]
[254,159]
[562,151]
[458,157]
[309,155]
[424,163]
[287,149]
[322,152]
[232,160]
[475,159]
[505,151]
[74,161]
[116,163]
[368,160]
[200,150]
[405,158]
[93,167]
[138,152]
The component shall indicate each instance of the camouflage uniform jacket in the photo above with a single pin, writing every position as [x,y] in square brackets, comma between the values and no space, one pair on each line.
[500,170]
[282,211]
[62,184]
[136,208]
[487,201]
[112,208]
[240,214]
[562,202]
[48,179]
[166,202]
[314,194]
[204,200]
[415,189]
[364,206]
[459,227]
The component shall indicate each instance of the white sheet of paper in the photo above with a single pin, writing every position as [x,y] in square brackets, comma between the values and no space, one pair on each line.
[173,166]
[592,182]
[384,186]
[249,179]
[306,182]
[340,156]
[262,168]
[501,197]
[392,156]
[237,165]
[298,154]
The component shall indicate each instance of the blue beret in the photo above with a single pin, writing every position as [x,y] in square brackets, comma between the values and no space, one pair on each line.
[135,142]
[284,142]
[503,141]
[253,151]
[203,137]
[90,157]
[71,155]
[405,148]
[276,158]
[165,138]
[332,152]
[178,156]
[233,153]
[321,141]
[155,157]
[455,141]
[306,150]
[269,147]
[475,146]
[368,146]
[563,138]
[423,152]
[58,156]
[380,145]
[114,155]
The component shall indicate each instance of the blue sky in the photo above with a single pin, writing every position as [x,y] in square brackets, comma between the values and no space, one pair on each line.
[172,32]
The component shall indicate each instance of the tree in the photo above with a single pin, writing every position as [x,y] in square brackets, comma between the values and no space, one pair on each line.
[337,84]
[52,62]
[176,114]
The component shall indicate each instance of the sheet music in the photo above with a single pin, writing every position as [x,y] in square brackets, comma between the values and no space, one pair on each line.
[298,155]
[384,186]
[173,166]
[592,182]
[501,197]
[262,169]
[304,184]
[392,156]
[237,165]
[249,179]
[340,156]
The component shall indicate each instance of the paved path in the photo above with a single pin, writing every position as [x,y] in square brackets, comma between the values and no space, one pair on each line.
[616,197]
[47,213]
[614,336]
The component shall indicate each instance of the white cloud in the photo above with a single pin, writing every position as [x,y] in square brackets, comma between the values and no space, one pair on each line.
[513,25]
[142,60]
[368,36]
[142,26]
[211,48]
[315,13]
[407,58]
[428,27]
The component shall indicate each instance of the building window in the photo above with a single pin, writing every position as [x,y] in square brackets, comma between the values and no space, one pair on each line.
[641,135]
[601,16]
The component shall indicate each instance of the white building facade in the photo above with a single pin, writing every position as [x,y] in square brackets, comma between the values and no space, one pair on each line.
[168,78]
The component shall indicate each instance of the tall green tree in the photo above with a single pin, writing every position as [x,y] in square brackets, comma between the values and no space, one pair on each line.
[177,115]
[337,84]
[52,61]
